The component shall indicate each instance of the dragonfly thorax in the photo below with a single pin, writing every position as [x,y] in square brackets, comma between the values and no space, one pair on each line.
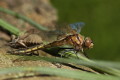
[78,42]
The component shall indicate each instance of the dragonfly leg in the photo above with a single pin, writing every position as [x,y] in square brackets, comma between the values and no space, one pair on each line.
[21,43]
[66,52]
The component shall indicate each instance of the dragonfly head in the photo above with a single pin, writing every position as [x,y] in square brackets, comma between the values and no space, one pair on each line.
[88,43]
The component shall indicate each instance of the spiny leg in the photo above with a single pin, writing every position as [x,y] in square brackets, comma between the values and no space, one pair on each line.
[22,43]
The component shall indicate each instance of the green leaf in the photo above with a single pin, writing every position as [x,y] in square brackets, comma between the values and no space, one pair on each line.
[9,27]
[59,72]
[110,67]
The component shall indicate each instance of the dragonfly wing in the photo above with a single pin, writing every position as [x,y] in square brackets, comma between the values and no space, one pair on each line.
[77,26]
[62,30]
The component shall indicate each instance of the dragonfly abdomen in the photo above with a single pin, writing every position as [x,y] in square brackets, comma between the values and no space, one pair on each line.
[28,50]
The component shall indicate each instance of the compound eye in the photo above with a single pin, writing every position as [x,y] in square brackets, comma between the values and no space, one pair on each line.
[88,43]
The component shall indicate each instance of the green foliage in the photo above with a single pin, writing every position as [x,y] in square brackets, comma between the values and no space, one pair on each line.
[109,67]
[59,72]
[113,69]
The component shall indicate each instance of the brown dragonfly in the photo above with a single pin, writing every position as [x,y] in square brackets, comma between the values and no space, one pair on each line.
[73,39]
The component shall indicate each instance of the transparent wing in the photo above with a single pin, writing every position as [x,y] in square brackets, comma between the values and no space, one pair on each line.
[63,30]
[77,26]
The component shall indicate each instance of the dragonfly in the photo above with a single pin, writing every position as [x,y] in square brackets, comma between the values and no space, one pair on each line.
[74,41]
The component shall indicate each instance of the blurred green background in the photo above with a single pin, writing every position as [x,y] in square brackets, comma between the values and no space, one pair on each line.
[102,24]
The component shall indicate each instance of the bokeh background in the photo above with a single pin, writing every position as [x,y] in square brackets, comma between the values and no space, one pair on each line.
[102,24]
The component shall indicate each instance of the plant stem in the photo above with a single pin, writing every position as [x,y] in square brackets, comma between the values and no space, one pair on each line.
[9,27]
[24,18]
